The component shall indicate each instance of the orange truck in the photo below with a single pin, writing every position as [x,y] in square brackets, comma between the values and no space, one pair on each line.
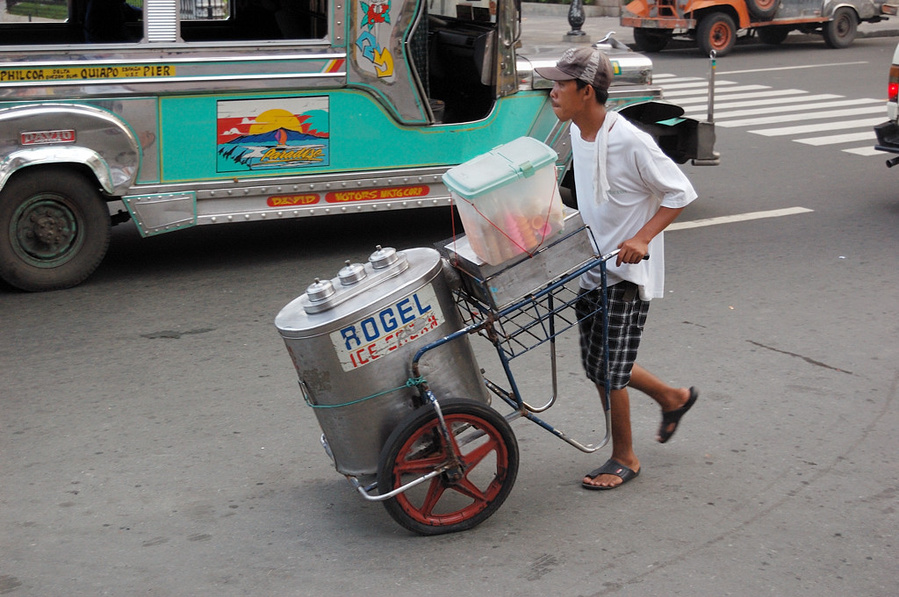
[714,24]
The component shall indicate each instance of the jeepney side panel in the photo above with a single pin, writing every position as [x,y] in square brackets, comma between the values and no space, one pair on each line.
[345,130]
[799,9]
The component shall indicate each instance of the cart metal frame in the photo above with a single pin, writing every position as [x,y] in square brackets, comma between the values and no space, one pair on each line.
[536,319]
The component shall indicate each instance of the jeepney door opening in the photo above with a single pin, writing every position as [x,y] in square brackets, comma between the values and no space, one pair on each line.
[460,58]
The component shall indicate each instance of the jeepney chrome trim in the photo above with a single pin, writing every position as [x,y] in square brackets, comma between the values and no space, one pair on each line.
[57,154]
[225,217]
[300,182]
[223,202]
[162,212]
[170,80]
[199,60]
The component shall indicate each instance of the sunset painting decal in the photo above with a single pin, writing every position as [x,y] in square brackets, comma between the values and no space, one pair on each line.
[284,133]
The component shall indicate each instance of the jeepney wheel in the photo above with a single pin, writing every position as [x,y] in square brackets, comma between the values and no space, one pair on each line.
[648,40]
[773,35]
[462,496]
[716,31]
[840,32]
[55,229]
[763,10]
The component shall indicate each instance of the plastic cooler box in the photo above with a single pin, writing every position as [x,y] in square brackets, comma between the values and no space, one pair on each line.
[508,199]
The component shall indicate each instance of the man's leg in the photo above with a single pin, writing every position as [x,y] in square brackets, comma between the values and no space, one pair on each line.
[668,398]
[622,442]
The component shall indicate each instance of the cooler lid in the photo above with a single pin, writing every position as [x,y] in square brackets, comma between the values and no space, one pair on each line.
[498,167]
[357,289]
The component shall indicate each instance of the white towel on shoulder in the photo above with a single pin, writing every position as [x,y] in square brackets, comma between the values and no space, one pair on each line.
[600,179]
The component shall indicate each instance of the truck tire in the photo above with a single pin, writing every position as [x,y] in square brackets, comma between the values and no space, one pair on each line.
[763,10]
[716,31]
[773,35]
[55,229]
[840,31]
[649,40]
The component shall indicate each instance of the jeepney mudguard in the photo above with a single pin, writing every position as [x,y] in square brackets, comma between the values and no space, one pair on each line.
[49,133]
[865,9]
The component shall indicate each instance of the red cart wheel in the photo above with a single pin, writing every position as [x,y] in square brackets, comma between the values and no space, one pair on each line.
[462,496]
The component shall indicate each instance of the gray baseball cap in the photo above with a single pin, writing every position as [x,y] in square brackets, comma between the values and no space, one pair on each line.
[587,64]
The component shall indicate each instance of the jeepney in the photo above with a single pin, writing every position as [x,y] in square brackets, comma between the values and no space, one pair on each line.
[714,24]
[174,114]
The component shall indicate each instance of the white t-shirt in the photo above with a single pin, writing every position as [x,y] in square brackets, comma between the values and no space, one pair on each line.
[641,179]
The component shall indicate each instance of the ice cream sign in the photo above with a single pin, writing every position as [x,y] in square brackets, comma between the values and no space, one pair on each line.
[377,335]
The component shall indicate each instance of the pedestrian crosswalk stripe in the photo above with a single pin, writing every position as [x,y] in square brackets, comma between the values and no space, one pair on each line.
[721,113]
[704,90]
[814,128]
[698,83]
[795,117]
[768,102]
[771,93]
[834,139]
[866,151]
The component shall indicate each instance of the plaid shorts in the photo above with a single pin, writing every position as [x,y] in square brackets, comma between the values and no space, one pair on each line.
[627,316]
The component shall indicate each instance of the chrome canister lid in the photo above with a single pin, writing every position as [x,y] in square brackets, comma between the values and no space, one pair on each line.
[351,273]
[320,290]
[383,257]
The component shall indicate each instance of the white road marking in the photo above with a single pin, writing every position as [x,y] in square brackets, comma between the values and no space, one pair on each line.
[814,128]
[798,67]
[794,117]
[835,139]
[754,215]
[767,101]
[726,90]
[868,152]
[811,106]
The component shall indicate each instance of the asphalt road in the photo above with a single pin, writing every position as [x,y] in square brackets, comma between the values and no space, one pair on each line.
[154,441]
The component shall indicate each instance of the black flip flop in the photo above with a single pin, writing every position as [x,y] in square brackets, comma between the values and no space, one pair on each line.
[674,416]
[611,467]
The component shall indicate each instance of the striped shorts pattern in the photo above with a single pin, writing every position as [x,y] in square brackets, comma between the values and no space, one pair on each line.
[627,316]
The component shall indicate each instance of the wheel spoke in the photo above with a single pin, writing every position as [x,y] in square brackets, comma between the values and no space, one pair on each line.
[473,458]
[435,492]
[420,466]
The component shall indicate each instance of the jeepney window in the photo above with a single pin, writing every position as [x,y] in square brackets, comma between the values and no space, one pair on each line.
[465,10]
[41,22]
[237,20]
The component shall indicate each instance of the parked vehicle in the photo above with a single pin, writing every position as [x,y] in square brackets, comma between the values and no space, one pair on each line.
[714,23]
[198,112]
[888,132]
